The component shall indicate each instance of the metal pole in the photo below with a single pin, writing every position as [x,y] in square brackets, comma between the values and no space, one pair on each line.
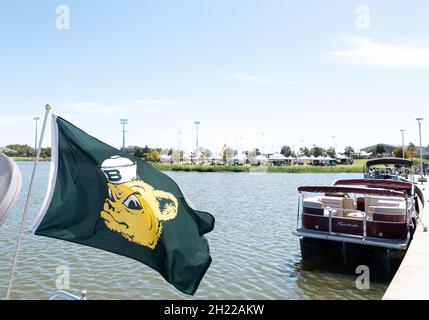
[420,120]
[178,144]
[262,147]
[123,136]
[123,122]
[197,123]
[35,136]
[403,144]
[21,231]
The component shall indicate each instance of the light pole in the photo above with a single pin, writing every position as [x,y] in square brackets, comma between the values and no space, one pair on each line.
[403,143]
[420,120]
[178,143]
[262,146]
[197,123]
[35,139]
[123,122]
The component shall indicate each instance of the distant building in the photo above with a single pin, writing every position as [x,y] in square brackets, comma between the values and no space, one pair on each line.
[130,149]
[388,147]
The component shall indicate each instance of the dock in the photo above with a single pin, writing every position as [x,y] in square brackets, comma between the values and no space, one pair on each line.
[411,281]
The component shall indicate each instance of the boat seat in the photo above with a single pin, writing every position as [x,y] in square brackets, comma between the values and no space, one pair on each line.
[394,202]
[348,206]
[333,202]
[314,203]
[388,210]
[354,214]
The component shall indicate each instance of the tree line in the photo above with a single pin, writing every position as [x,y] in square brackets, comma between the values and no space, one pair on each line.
[24,150]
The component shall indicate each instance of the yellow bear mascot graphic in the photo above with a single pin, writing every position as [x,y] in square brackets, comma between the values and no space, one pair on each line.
[134,208]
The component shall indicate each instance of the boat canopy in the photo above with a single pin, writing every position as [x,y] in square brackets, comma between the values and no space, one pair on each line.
[10,185]
[367,191]
[393,184]
[391,161]
[390,184]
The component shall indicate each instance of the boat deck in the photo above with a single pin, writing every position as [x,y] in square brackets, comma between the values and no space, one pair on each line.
[385,243]
[411,281]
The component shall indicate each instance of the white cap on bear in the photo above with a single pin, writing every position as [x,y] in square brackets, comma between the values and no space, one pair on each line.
[119,170]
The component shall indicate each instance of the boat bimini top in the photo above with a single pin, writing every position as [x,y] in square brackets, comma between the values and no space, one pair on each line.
[10,185]
[389,161]
[385,184]
[354,190]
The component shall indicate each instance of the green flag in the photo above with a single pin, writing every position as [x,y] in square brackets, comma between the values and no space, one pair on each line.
[103,198]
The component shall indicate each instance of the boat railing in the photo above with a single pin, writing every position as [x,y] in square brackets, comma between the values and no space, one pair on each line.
[330,217]
[364,219]
[69,296]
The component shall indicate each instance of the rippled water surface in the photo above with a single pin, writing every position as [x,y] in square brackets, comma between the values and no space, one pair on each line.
[255,255]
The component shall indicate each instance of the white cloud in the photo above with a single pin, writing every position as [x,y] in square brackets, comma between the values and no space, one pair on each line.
[365,51]
[24,119]
[158,102]
[134,107]
[92,108]
[257,79]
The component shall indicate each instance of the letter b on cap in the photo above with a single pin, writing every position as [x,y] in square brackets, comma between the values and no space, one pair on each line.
[113,175]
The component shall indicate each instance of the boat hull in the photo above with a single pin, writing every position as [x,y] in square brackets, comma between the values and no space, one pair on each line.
[348,256]
[375,229]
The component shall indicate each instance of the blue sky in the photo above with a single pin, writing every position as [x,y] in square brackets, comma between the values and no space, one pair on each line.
[298,71]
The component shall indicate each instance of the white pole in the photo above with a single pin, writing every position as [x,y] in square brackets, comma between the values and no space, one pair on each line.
[21,231]
[420,120]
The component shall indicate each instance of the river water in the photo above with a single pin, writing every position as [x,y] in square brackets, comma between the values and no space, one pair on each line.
[255,255]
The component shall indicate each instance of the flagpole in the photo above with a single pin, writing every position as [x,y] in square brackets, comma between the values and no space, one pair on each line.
[21,231]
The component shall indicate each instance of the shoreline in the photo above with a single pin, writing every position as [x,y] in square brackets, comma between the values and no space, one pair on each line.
[261,169]
[357,167]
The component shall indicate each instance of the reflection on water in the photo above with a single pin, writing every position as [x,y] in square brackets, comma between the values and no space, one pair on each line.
[255,255]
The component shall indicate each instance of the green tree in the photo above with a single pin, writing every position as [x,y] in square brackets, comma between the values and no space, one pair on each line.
[411,151]
[331,152]
[286,151]
[152,156]
[229,152]
[23,150]
[317,151]
[45,153]
[397,152]
[139,153]
[349,151]
[379,150]
[305,151]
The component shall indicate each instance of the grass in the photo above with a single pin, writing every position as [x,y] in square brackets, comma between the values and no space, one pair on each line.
[29,159]
[356,167]
[199,168]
